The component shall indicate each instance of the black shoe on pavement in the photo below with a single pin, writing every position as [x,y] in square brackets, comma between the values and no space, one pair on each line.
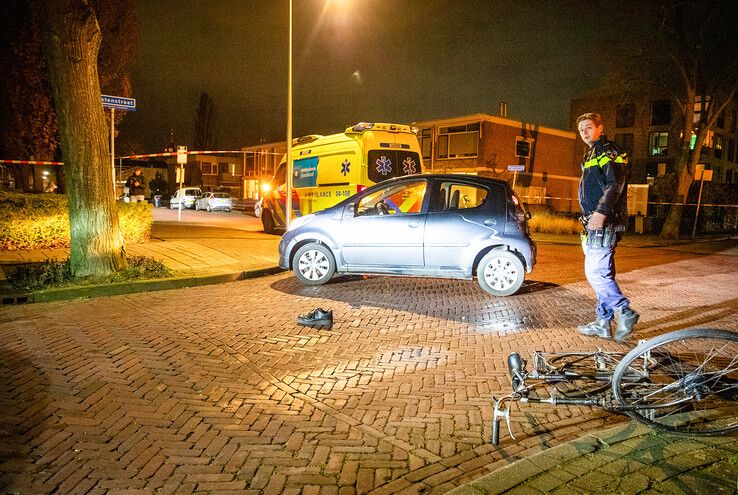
[627,318]
[316,318]
[598,328]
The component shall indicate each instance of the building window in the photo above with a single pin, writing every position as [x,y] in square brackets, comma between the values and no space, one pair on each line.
[223,168]
[425,138]
[655,170]
[208,168]
[624,142]
[657,143]
[718,146]
[625,116]
[522,147]
[731,150]
[698,108]
[459,141]
[661,112]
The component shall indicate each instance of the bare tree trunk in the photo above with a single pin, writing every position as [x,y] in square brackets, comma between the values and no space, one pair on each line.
[71,44]
[673,221]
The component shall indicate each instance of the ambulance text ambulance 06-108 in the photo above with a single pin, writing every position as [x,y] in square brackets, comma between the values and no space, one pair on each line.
[328,169]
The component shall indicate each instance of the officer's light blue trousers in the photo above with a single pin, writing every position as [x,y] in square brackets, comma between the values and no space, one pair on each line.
[599,268]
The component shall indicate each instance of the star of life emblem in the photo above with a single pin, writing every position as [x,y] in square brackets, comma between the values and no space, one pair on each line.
[384,165]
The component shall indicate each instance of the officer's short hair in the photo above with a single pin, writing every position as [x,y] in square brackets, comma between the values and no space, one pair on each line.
[594,117]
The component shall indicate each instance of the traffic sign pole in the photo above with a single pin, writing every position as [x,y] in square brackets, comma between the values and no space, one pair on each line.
[122,103]
[112,146]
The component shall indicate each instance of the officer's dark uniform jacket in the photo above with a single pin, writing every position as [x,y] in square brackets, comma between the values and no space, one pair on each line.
[604,184]
[133,189]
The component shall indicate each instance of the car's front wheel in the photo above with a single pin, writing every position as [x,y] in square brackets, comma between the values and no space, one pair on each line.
[197,207]
[500,273]
[314,264]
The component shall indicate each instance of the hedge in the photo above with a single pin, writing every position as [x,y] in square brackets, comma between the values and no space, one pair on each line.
[41,221]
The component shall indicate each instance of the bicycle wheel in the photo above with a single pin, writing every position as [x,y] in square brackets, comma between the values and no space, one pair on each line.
[684,382]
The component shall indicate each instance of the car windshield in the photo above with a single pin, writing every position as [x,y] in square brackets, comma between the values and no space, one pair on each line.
[220,195]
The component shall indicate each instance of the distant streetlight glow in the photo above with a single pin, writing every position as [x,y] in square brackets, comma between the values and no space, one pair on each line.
[288,171]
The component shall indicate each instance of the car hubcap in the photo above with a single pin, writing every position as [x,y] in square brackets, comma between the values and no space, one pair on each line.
[313,265]
[500,274]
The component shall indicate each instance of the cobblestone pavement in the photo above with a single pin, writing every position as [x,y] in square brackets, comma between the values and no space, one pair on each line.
[216,389]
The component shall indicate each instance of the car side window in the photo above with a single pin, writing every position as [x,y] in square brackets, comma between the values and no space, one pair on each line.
[458,196]
[396,199]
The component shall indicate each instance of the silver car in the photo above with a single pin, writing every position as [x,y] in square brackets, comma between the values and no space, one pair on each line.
[212,201]
[449,226]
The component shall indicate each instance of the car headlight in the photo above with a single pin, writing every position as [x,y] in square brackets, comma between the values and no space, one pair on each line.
[300,221]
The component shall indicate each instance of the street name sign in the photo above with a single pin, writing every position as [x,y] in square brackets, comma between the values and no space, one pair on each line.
[119,102]
[516,168]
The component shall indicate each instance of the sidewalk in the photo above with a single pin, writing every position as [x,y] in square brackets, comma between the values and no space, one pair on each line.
[629,458]
[196,255]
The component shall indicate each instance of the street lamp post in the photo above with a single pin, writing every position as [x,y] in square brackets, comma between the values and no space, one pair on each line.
[288,199]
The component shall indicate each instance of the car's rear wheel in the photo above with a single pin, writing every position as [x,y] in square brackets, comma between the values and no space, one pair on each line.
[208,207]
[314,264]
[500,273]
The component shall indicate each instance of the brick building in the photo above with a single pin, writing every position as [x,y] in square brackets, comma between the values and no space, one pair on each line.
[648,129]
[488,145]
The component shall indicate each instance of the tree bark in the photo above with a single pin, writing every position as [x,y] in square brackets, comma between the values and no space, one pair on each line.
[71,44]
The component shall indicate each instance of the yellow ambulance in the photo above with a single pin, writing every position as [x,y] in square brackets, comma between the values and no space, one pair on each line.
[328,169]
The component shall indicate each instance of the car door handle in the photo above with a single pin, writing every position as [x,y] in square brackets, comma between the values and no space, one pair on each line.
[490,221]
[414,224]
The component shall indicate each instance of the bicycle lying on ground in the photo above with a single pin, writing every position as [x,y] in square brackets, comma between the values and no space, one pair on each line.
[684,382]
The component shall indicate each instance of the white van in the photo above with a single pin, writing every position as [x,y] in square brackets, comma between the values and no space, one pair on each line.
[188,196]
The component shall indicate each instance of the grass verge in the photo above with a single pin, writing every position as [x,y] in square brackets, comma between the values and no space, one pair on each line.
[32,277]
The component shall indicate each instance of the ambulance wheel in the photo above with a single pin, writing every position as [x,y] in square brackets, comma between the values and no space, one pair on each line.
[267,221]
[500,273]
[313,264]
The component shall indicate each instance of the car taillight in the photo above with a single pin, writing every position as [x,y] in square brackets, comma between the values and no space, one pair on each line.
[360,187]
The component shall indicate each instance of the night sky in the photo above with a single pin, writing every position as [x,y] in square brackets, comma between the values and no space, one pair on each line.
[356,60]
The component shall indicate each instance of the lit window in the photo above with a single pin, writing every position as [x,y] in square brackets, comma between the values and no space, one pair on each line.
[658,143]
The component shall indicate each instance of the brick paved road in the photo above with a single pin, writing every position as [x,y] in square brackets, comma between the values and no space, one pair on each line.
[215,389]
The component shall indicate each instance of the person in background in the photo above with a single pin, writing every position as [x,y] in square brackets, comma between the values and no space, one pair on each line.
[135,184]
[603,195]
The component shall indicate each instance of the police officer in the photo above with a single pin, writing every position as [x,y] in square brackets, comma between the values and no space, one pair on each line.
[603,198]
[135,184]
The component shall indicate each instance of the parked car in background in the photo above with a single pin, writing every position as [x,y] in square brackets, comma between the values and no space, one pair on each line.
[211,201]
[187,195]
[448,226]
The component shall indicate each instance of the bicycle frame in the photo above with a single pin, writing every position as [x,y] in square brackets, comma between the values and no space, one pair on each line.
[527,385]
